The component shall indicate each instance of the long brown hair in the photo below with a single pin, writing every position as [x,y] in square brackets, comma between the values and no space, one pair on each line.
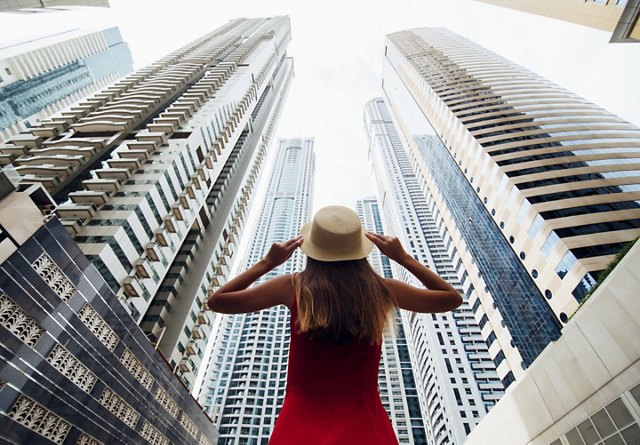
[342,301]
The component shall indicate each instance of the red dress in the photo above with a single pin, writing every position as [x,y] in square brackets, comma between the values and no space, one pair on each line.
[332,394]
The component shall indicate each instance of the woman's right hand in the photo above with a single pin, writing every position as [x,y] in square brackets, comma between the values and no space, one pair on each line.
[280,252]
[389,246]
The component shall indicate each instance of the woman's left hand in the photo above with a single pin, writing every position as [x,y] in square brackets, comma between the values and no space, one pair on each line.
[280,252]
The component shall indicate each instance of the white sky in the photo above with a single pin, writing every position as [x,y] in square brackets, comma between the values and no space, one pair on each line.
[338,48]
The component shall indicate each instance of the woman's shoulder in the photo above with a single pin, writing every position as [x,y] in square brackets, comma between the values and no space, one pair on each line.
[287,285]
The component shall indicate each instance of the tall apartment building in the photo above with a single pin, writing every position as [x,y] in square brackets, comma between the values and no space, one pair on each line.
[537,187]
[246,380]
[618,16]
[28,6]
[457,382]
[43,75]
[74,366]
[396,378]
[154,174]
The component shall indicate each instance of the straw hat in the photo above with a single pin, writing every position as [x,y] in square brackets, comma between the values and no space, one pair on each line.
[335,234]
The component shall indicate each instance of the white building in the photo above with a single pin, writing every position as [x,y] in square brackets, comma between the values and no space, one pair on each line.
[155,174]
[396,379]
[456,377]
[246,380]
[42,75]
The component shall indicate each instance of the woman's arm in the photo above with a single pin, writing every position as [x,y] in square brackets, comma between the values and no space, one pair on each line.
[439,296]
[235,296]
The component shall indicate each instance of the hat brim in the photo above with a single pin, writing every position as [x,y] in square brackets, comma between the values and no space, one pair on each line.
[318,253]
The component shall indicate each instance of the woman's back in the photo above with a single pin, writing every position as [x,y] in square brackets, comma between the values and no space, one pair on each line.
[332,393]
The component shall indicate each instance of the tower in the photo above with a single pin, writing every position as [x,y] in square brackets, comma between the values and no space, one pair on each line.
[153,175]
[396,375]
[457,382]
[537,187]
[620,16]
[43,75]
[245,383]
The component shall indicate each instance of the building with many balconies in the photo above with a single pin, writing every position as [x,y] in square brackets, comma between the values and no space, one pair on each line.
[42,75]
[153,175]
[537,187]
[247,371]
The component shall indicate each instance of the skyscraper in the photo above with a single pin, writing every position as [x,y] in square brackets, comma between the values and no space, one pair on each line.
[30,5]
[396,378]
[245,384]
[537,187]
[43,75]
[619,16]
[74,366]
[456,377]
[154,174]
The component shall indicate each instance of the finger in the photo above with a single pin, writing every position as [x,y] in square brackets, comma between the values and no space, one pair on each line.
[374,237]
[293,246]
[293,240]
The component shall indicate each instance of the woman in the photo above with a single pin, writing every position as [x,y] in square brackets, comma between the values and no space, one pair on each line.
[339,307]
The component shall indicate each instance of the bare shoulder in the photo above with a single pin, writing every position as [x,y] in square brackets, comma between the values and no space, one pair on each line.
[394,285]
[284,285]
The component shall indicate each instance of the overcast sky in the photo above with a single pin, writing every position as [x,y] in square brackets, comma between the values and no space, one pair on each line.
[338,47]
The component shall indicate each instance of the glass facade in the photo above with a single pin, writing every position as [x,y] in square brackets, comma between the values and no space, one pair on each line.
[529,319]
[23,98]
[454,388]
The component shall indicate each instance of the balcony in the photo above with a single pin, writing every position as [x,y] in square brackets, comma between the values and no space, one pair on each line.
[121,174]
[101,126]
[130,164]
[186,365]
[203,318]
[152,252]
[75,211]
[96,198]
[141,269]
[152,136]
[106,185]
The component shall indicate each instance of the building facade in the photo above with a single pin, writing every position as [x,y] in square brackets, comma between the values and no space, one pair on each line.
[618,16]
[538,188]
[396,379]
[28,6]
[43,75]
[246,380]
[154,174]
[584,388]
[457,382]
[74,366]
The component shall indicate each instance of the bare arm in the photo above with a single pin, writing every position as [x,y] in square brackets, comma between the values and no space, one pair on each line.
[235,296]
[439,296]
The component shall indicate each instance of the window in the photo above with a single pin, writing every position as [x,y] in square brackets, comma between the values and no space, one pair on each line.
[566,263]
